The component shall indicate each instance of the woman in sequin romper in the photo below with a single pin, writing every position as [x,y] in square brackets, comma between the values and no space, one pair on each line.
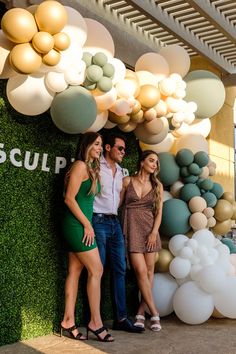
[142,196]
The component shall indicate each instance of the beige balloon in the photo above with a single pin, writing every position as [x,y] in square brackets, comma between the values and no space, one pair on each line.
[153,126]
[24,59]
[19,25]
[149,96]
[52,58]
[137,117]
[211,222]
[209,212]
[61,41]
[197,204]
[223,210]
[223,227]
[118,119]
[198,221]
[127,127]
[6,46]
[144,135]
[163,262]
[43,42]
[130,74]
[51,16]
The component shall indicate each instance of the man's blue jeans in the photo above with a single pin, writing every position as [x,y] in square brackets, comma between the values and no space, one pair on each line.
[110,241]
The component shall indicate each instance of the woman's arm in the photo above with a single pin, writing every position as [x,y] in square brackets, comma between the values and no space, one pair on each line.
[126,181]
[151,242]
[78,174]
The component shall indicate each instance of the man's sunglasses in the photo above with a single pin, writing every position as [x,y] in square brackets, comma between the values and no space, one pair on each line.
[120,148]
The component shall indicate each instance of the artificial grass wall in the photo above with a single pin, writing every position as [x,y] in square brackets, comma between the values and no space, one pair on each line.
[33,262]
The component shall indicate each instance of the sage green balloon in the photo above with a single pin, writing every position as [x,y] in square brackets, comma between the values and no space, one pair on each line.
[207,184]
[100,59]
[108,70]
[190,179]
[184,157]
[217,190]
[184,171]
[94,73]
[201,158]
[87,58]
[194,169]
[210,199]
[89,85]
[169,170]
[188,191]
[175,216]
[74,110]
[206,90]
[104,84]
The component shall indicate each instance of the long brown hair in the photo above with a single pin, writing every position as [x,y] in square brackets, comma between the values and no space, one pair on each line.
[156,184]
[84,147]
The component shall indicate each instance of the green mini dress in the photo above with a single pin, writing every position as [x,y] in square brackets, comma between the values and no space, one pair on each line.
[73,230]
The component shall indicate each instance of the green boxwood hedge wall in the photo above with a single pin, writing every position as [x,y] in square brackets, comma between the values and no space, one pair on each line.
[33,263]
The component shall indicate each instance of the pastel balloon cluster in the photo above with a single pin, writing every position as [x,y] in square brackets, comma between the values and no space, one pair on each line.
[36,35]
[191,199]
[206,273]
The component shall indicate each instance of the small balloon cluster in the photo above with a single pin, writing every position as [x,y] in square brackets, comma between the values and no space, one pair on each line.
[193,201]
[37,34]
[99,72]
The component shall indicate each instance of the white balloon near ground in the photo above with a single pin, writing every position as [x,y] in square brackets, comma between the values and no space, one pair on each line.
[180,267]
[186,252]
[176,243]
[191,304]
[28,94]
[76,27]
[164,288]
[225,299]
[55,81]
[195,270]
[99,39]
[212,278]
[177,58]
[99,123]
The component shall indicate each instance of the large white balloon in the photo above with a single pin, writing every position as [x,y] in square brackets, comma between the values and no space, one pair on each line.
[225,299]
[177,58]
[120,70]
[191,304]
[76,27]
[180,267]
[155,63]
[199,126]
[212,279]
[98,39]
[193,142]
[204,237]
[28,94]
[55,81]
[164,288]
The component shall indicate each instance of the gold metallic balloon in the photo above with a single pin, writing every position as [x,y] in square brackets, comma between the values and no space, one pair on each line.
[52,58]
[114,118]
[136,108]
[165,257]
[61,41]
[19,25]
[51,16]
[127,127]
[149,96]
[24,59]
[43,42]
[223,227]
[223,210]
[234,211]
[137,117]
[228,196]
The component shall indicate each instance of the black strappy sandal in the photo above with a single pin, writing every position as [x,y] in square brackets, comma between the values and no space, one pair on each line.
[98,331]
[68,332]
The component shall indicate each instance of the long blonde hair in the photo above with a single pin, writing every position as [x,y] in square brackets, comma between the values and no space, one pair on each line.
[156,184]
[84,147]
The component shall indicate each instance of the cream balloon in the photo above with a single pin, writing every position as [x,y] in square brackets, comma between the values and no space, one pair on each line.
[6,46]
[177,58]
[199,126]
[164,146]
[146,78]
[28,94]
[127,127]
[98,39]
[76,27]
[154,63]
[161,108]
[193,142]
[120,70]
[127,88]
[145,136]
[70,58]
[99,123]
[121,107]
[55,81]
[105,100]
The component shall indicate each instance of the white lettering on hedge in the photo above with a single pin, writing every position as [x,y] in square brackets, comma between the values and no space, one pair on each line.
[14,162]
[31,160]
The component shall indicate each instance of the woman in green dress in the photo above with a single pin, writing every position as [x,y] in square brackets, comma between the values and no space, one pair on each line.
[81,186]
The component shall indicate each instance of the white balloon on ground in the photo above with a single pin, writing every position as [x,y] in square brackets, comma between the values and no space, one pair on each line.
[99,39]
[155,63]
[76,26]
[28,94]
[164,288]
[212,278]
[99,123]
[177,58]
[193,142]
[164,146]
[180,267]
[225,299]
[199,126]
[55,81]
[191,304]
[176,243]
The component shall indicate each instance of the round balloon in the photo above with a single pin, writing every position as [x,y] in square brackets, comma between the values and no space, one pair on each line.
[74,110]
[164,288]
[164,146]
[50,16]
[24,59]
[193,142]
[200,84]
[6,46]
[76,27]
[144,135]
[177,58]
[154,63]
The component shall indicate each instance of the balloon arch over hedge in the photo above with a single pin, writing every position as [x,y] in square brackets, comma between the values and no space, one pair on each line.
[55,59]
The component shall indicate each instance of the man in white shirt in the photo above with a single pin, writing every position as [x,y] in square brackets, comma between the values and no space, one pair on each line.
[109,236]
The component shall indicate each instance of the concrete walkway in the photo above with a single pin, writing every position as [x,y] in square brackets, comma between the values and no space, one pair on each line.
[214,336]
